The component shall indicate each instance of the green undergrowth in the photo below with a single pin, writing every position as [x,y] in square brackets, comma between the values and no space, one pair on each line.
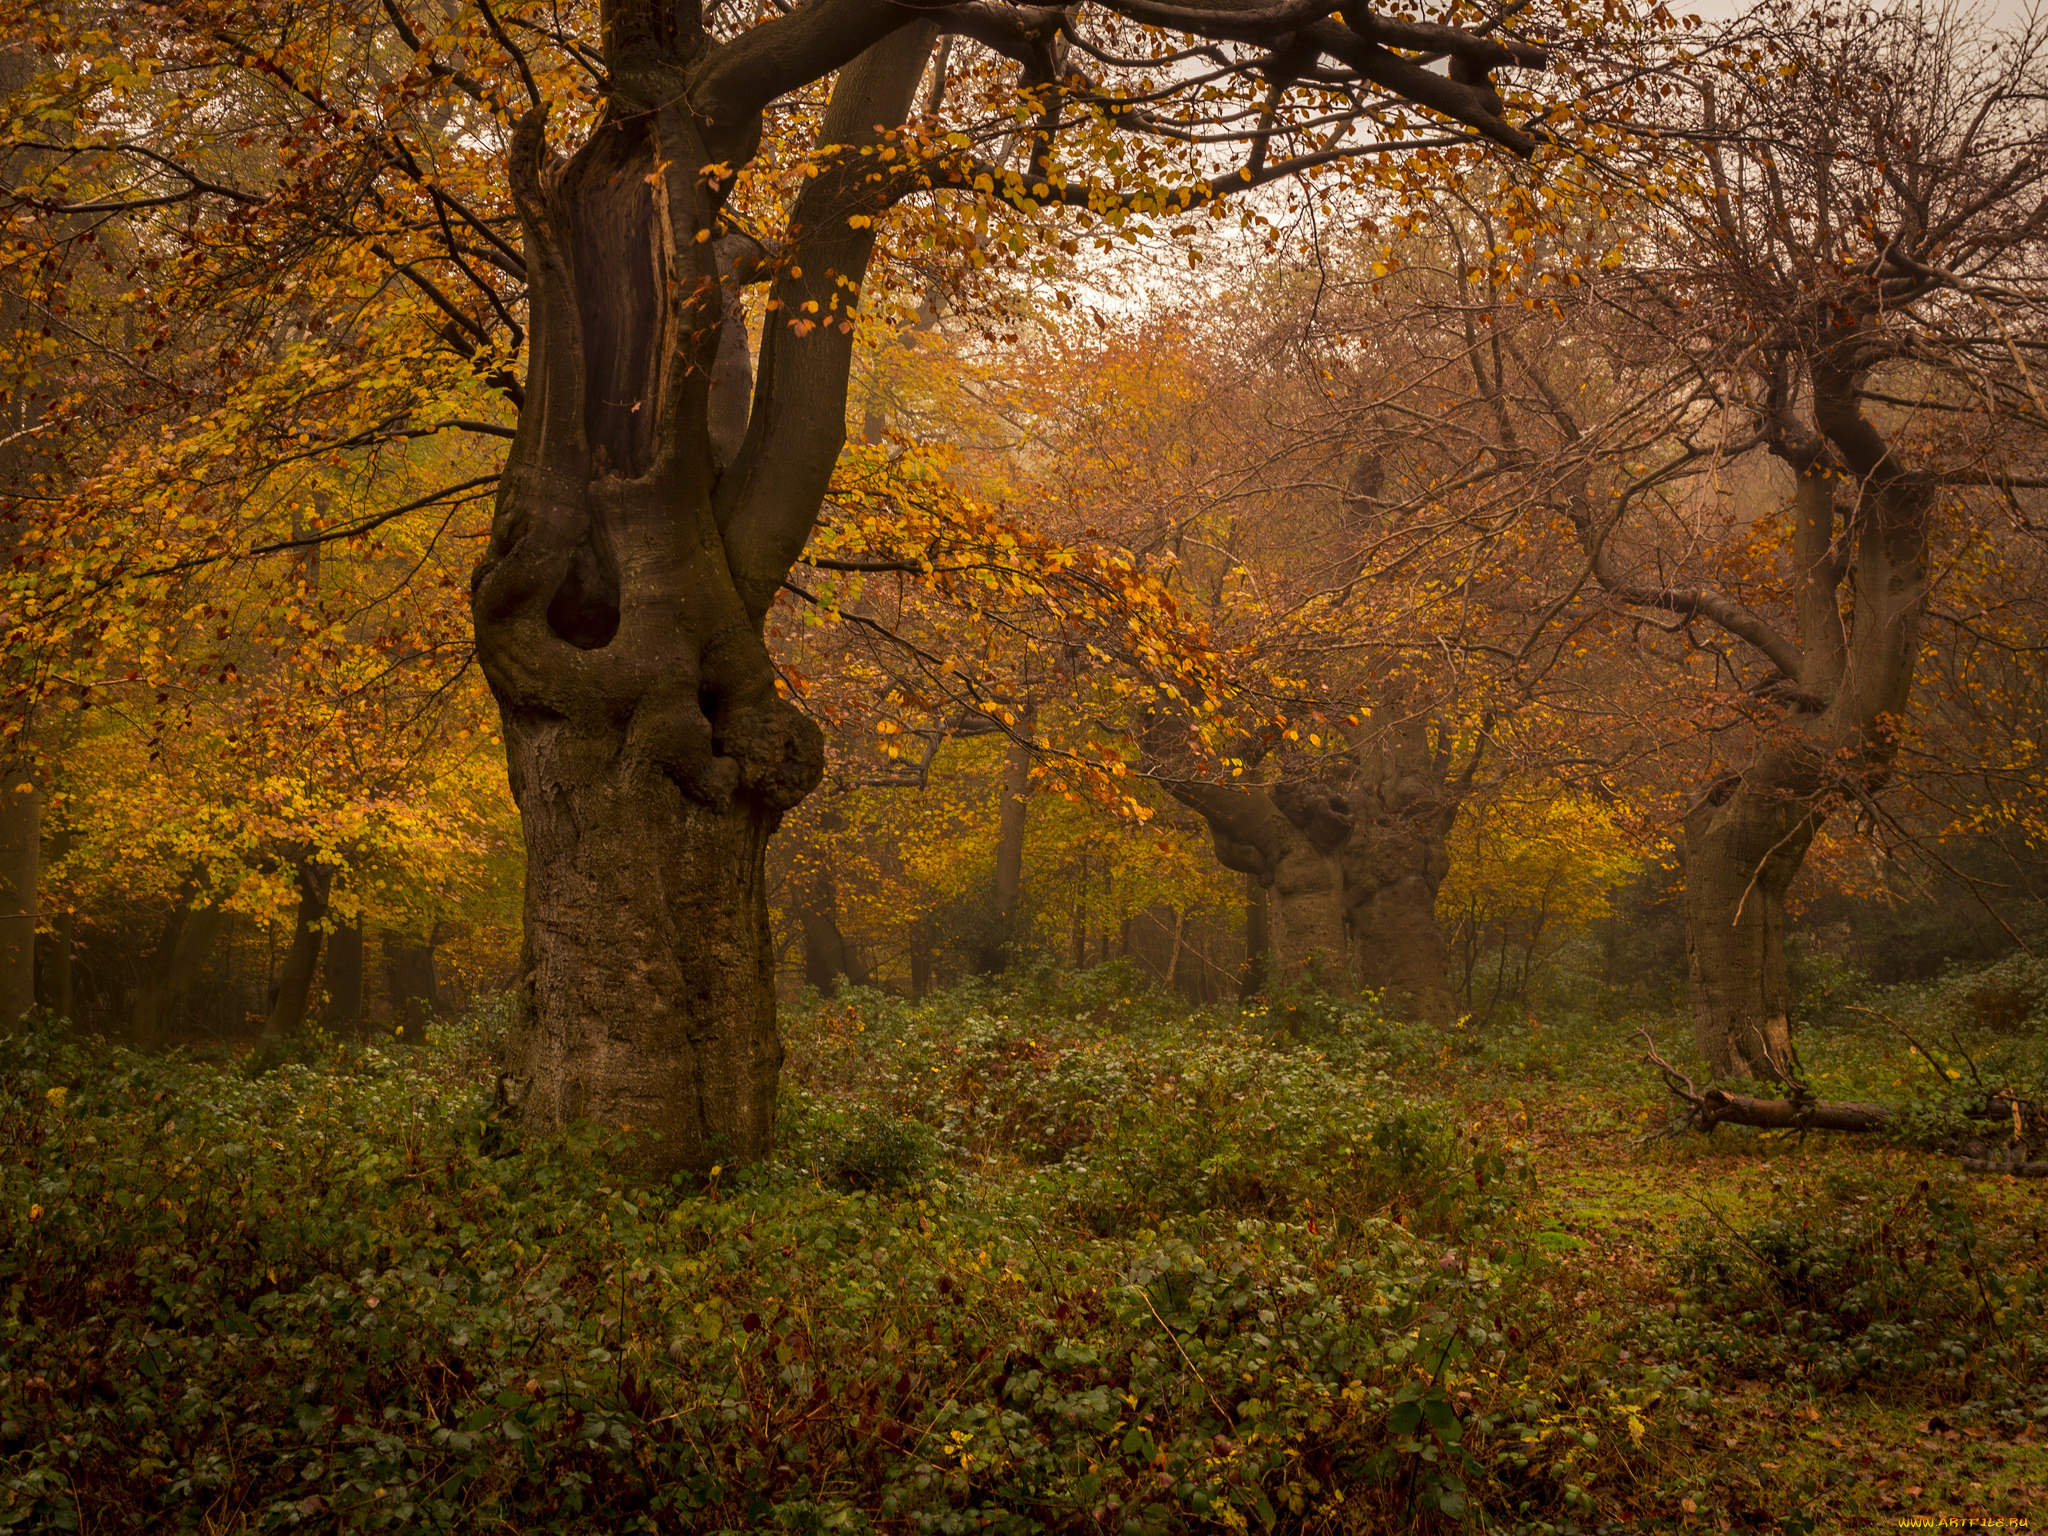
[1064,1257]
[1061,1270]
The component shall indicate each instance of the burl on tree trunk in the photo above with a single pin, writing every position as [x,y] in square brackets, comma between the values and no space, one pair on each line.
[636,548]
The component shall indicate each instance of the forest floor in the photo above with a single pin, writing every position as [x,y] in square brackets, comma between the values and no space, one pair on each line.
[1064,1257]
[1772,1443]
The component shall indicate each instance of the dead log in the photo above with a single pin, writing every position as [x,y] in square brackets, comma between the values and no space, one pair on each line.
[1794,1114]
[1802,1111]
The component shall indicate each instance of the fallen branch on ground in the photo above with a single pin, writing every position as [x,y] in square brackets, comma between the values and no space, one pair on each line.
[1802,1111]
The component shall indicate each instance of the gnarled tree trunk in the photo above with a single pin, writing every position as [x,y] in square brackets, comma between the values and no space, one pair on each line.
[1742,848]
[1848,685]
[634,555]
[1392,872]
[1404,801]
[1288,841]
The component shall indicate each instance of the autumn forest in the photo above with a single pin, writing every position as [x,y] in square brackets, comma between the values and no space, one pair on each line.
[1148,766]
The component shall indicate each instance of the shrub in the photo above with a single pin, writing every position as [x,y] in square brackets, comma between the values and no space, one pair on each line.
[315,1299]
[1239,1128]
[1875,1284]
[881,1151]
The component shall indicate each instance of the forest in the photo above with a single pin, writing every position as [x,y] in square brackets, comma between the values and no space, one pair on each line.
[1146,766]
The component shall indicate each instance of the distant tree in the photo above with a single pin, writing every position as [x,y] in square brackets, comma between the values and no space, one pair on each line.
[1853,285]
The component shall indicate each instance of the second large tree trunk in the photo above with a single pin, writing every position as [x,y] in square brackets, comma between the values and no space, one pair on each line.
[1742,850]
[647,976]
[1305,911]
[827,961]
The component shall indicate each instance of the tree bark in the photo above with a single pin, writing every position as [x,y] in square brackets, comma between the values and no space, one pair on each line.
[343,1009]
[1742,851]
[188,938]
[302,957]
[1288,841]
[635,553]
[21,827]
[1747,835]
[1404,800]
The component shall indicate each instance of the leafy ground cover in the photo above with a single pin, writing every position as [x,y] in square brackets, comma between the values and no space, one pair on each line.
[1063,1258]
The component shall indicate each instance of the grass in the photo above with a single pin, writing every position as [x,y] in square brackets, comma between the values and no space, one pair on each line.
[1065,1258]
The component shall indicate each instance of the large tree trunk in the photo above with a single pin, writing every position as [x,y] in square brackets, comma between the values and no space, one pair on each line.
[635,553]
[1392,875]
[1306,909]
[1742,850]
[648,996]
[1747,835]
[1288,841]
[188,938]
[302,958]
[21,829]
